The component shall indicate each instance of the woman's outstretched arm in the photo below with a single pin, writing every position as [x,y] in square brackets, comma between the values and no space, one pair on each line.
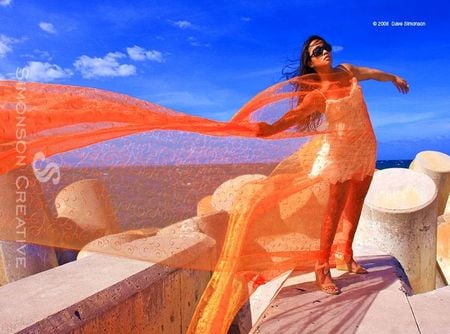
[314,101]
[367,73]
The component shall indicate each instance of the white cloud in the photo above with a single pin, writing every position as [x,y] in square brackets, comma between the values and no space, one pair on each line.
[5,2]
[245,19]
[5,45]
[139,54]
[47,27]
[39,71]
[183,24]
[194,42]
[337,48]
[108,66]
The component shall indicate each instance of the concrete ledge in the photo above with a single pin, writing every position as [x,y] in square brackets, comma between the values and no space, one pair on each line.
[432,310]
[373,303]
[102,293]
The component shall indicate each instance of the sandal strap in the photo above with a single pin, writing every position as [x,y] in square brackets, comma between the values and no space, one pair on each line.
[324,268]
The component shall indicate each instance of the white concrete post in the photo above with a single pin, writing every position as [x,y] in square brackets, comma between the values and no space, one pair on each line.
[24,218]
[399,217]
[87,203]
[437,166]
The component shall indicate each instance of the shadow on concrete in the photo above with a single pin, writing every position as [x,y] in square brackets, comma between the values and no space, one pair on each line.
[302,308]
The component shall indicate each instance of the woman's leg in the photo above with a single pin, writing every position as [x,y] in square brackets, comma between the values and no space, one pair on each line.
[351,215]
[336,203]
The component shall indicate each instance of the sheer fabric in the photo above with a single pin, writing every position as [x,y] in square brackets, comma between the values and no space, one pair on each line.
[158,163]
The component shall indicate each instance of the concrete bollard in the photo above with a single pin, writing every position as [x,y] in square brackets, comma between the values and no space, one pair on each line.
[87,203]
[399,217]
[180,228]
[115,240]
[24,216]
[437,166]
[204,206]
[443,247]
[213,210]
[225,195]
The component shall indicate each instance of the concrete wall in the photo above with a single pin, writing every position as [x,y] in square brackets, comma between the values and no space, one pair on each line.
[102,294]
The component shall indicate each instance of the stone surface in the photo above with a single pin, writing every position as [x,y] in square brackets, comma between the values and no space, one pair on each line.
[399,217]
[205,207]
[105,294]
[194,250]
[115,241]
[432,311]
[399,190]
[447,207]
[182,227]
[19,260]
[372,303]
[225,195]
[193,283]
[215,226]
[87,203]
[52,292]
[437,166]
[260,300]
[24,214]
[445,218]
[443,249]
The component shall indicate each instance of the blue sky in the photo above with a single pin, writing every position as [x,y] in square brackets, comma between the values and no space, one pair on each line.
[209,57]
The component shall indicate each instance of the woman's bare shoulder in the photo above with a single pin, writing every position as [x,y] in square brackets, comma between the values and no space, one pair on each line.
[346,67]
[349,71]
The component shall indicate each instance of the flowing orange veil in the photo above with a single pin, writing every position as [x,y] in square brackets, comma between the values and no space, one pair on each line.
[157,164]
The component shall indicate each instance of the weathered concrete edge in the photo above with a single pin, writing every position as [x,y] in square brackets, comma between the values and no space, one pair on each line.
[99,304]
[431,310]
[40,289]
[80,308]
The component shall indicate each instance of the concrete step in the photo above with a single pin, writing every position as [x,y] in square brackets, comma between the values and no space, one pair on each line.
[376,302]
[431,310]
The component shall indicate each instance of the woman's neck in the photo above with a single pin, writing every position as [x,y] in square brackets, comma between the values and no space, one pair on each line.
[325,74]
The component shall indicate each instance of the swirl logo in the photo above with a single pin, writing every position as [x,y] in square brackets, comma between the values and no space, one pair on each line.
[48,170]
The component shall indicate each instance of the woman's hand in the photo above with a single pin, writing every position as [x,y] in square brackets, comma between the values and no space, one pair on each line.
[401,84]
[263,129]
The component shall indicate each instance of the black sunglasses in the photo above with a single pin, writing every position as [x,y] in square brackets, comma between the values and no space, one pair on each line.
[319,50]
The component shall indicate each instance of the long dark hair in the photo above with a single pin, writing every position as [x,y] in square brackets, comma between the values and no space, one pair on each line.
[294,69]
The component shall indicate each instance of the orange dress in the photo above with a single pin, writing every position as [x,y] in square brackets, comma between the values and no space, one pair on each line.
[288,207]
[349,150]
[274,224]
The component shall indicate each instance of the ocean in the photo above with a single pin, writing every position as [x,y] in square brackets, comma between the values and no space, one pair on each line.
[161,195]
[383,164]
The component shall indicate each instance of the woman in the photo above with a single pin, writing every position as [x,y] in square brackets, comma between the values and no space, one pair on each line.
[346,197]
[315,194]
